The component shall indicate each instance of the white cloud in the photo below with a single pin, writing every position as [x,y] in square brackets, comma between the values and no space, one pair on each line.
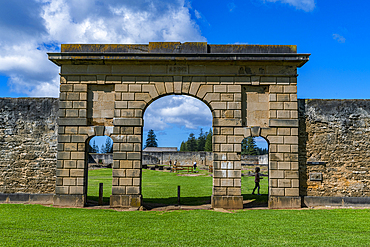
[197,14]
[31,28]
[306,5]
[339,38]
[179,110]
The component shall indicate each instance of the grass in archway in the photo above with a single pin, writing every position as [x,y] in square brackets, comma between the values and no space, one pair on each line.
[35,225]
[161,187]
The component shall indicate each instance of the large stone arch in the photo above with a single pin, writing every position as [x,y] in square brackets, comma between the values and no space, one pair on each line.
[251,90]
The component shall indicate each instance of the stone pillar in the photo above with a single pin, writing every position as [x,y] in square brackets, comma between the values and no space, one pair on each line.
[71,167]
[283,158]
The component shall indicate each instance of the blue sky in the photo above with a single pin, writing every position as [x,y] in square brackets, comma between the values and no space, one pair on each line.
[336,33]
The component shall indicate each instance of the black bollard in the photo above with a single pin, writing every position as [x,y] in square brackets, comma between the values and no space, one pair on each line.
[100,194]
[178,195]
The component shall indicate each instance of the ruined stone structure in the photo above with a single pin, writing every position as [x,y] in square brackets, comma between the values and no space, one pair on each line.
[333,151]
[251,90]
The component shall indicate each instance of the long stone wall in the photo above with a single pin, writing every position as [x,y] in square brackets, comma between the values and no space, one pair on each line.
[28,145]
[334,143]
[334,148]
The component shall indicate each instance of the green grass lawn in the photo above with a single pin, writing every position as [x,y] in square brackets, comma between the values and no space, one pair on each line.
[35,225]
[161,187]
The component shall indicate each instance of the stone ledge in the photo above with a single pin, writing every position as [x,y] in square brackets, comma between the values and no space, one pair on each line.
[227,202]
[315,201]
[69,200]
[283,123]
[46,199]
[127,121]
[125,201]
[279,202]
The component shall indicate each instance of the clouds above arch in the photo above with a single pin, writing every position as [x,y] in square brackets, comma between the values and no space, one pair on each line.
[305,5]
[30,29]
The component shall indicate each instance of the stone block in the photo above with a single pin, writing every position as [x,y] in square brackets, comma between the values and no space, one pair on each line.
[125,181]
[275,139]
[134,155]
[65,104]
[295,183]
[133,190]
[63,190]
[276,157]
[62,172]
[211,97]
[73,96]
[125,164]
[86,130]
[70,146]
[151,89]
[126,147]
[283,114]
[77,155]
[234,191]
[283,148]
[291,191]
[133,173]
[70,164]
[234,156]
[227,97]
[118,138]
[227,202]
[69,181]
[219,191]
[234,173]
[234,88]
[79,138]
[283,122]
[119,172]
[64,155]
[136,164]
[268,131]
[276,105]
[277,191]
[291,140]
[128,96]
[227,182]
[284,165]
[227,147]
[127,122]
[118,190]
[290,89]
[134,138]
[273,165]
[136,181]
[226,165]
[292,174]
[282,80]
[127,130]
[80,88]
[224,122]
[220,174]
[276,174]
[284,183]
[290,106]
[72,121]
[76,172]
[119,155]
[280,202]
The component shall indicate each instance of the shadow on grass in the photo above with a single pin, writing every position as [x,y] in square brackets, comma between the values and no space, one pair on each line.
[254,201]
[188,201]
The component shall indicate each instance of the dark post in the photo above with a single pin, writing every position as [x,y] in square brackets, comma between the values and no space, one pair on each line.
[178,194]
[100,194]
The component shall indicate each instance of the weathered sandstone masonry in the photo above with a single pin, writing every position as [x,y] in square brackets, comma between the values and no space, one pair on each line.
[334,144]
[28,145]
[250,89]
[333,151]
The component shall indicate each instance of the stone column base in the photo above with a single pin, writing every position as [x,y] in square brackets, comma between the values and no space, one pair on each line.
[227,202]
[125,201]
[276,202]
[69,200]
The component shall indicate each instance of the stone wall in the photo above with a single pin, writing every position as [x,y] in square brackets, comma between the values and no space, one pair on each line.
[28,145]
[203,159]
[334,143]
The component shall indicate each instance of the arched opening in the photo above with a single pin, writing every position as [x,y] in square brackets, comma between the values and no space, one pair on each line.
[177,121]
[255,171]
[99,168]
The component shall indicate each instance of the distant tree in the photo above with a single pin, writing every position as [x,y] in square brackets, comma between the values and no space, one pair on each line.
[94,148]
[183,147]
[249,146]
[151,140]
[108,146]
[208,143]
[201,142]
[191,144]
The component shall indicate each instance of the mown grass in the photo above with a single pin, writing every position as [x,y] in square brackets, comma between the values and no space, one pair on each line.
[161,187]
[35,225]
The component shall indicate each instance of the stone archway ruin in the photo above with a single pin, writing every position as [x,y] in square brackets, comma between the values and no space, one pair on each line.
[250,89]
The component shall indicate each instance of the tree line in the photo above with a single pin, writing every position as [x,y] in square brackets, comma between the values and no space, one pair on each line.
[202,143]
[105,148]
[249,147]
